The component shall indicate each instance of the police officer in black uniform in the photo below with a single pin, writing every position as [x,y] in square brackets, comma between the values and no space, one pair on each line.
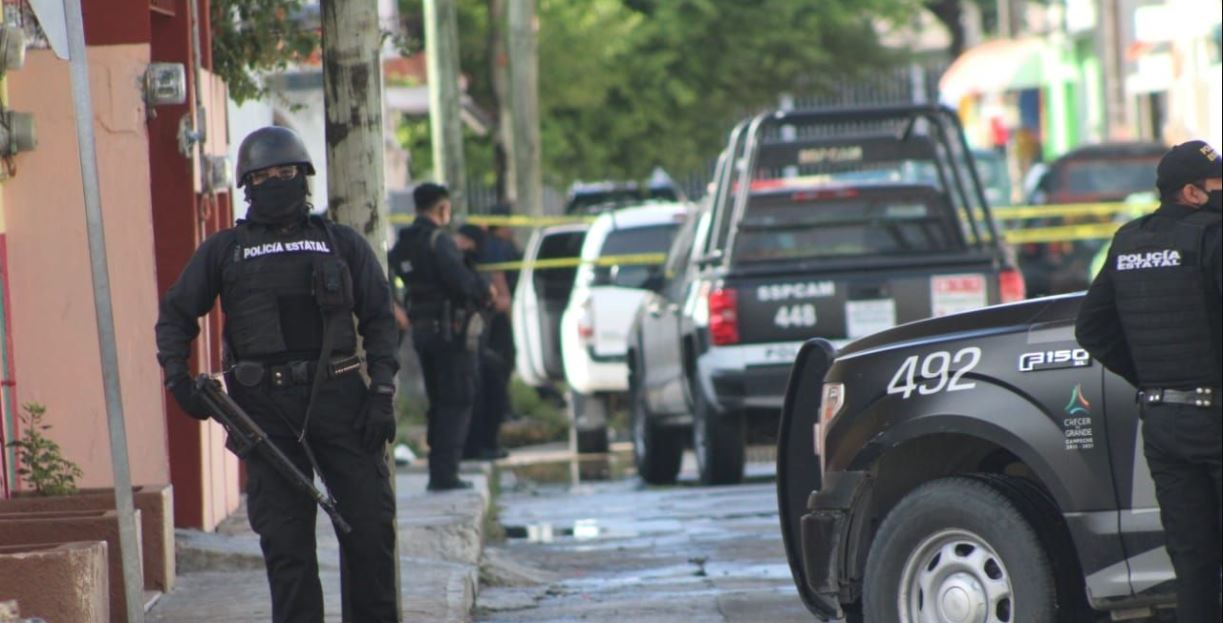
[291,285]
[443,296]
[1153,316]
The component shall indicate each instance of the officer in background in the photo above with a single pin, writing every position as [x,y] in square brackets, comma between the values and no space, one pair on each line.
[492,401]
[1152,315]
[291,363]
[443,299]
[501,245]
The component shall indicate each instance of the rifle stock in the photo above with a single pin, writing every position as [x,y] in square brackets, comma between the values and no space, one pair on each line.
[244,436]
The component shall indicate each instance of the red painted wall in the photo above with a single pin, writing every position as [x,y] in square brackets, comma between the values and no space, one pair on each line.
[181,224]
[112,22]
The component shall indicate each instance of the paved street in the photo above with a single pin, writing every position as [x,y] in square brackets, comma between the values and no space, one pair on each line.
[619,551]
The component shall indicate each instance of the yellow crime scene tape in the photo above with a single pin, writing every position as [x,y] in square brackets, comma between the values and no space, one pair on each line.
[1063,233]
[513,220]
[1055,233]
[1070,210]
[632,259]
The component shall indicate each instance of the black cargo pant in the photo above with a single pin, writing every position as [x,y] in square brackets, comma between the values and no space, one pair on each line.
[450,382]
[1184,447]
[493,395]
[491,404]
[285,517]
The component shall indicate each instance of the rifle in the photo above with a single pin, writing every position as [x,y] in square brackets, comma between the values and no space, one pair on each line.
[245,436]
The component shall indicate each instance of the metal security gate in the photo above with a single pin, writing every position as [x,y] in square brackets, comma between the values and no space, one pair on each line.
[913,83]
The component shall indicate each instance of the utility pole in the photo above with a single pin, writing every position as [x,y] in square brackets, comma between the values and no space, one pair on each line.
[352,104]
[352,86]
[1116,123]
[129,541]
[498,66]
[1006,17]
[445,124]
[524,95]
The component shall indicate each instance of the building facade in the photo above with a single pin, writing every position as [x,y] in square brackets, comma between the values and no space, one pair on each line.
[157,207]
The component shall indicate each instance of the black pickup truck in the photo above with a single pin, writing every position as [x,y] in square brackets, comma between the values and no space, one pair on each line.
[827,223]
[977,467]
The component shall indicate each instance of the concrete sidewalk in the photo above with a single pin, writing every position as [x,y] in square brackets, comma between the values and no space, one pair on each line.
[441,540]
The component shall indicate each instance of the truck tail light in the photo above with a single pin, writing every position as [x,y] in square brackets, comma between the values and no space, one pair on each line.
[586,322]
[831,401]
[723,316]
[1011,286]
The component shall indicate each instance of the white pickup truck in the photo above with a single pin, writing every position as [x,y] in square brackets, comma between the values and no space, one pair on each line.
[602,305]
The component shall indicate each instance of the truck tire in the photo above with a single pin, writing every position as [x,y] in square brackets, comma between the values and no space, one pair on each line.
[658,450]
[958,549]
[718,440]
[589,406]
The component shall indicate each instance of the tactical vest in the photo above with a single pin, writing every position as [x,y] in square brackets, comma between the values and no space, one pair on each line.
[268,297]
[1164,301]
[425,296]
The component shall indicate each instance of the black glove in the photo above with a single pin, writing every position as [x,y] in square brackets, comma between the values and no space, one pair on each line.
[377,418]
[187,397]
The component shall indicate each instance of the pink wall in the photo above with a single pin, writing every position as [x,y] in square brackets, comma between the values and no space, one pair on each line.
[53,321]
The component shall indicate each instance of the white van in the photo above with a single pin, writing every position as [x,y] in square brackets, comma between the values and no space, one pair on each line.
[602,305]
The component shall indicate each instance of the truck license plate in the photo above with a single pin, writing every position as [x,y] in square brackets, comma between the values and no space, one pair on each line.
[950,294]
[869,316]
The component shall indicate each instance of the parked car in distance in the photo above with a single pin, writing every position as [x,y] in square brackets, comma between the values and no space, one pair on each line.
[604,298]
[1103,173]
[995,178]
[597,197]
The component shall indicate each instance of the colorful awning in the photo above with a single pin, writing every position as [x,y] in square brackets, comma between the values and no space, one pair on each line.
[994,67]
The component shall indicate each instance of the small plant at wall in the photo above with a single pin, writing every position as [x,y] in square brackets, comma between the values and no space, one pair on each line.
[43,465]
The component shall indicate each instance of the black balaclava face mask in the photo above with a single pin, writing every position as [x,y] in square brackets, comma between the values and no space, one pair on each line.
[277,201]
[1214,199]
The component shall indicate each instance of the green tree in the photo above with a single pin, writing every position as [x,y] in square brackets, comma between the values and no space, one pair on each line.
[250,37]
[627,85]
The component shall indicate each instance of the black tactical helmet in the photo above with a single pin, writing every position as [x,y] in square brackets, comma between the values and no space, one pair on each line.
[272,146]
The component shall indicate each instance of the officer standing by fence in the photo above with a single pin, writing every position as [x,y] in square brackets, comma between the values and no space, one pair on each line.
[290,285]
[443,299]
[1153,316]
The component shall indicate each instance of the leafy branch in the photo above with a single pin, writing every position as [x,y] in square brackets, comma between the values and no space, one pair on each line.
[254,36]
[43,465]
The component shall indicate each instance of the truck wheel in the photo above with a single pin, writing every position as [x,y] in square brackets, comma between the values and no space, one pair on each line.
[958,549]
[657,450]
[718,441]
[587,408]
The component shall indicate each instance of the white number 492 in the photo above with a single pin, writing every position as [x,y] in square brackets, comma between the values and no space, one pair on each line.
[936,372]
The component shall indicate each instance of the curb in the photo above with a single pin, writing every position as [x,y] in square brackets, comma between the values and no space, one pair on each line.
[441,546]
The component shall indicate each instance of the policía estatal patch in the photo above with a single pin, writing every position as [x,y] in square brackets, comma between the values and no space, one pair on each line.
[1167,258]
[296,246]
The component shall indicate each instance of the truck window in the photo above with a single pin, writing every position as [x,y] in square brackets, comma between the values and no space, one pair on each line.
[1112,176]
[554,284]
[632,241]
[651,239]
[802,225]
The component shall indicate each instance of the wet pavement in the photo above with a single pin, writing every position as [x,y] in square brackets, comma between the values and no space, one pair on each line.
[617,550]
